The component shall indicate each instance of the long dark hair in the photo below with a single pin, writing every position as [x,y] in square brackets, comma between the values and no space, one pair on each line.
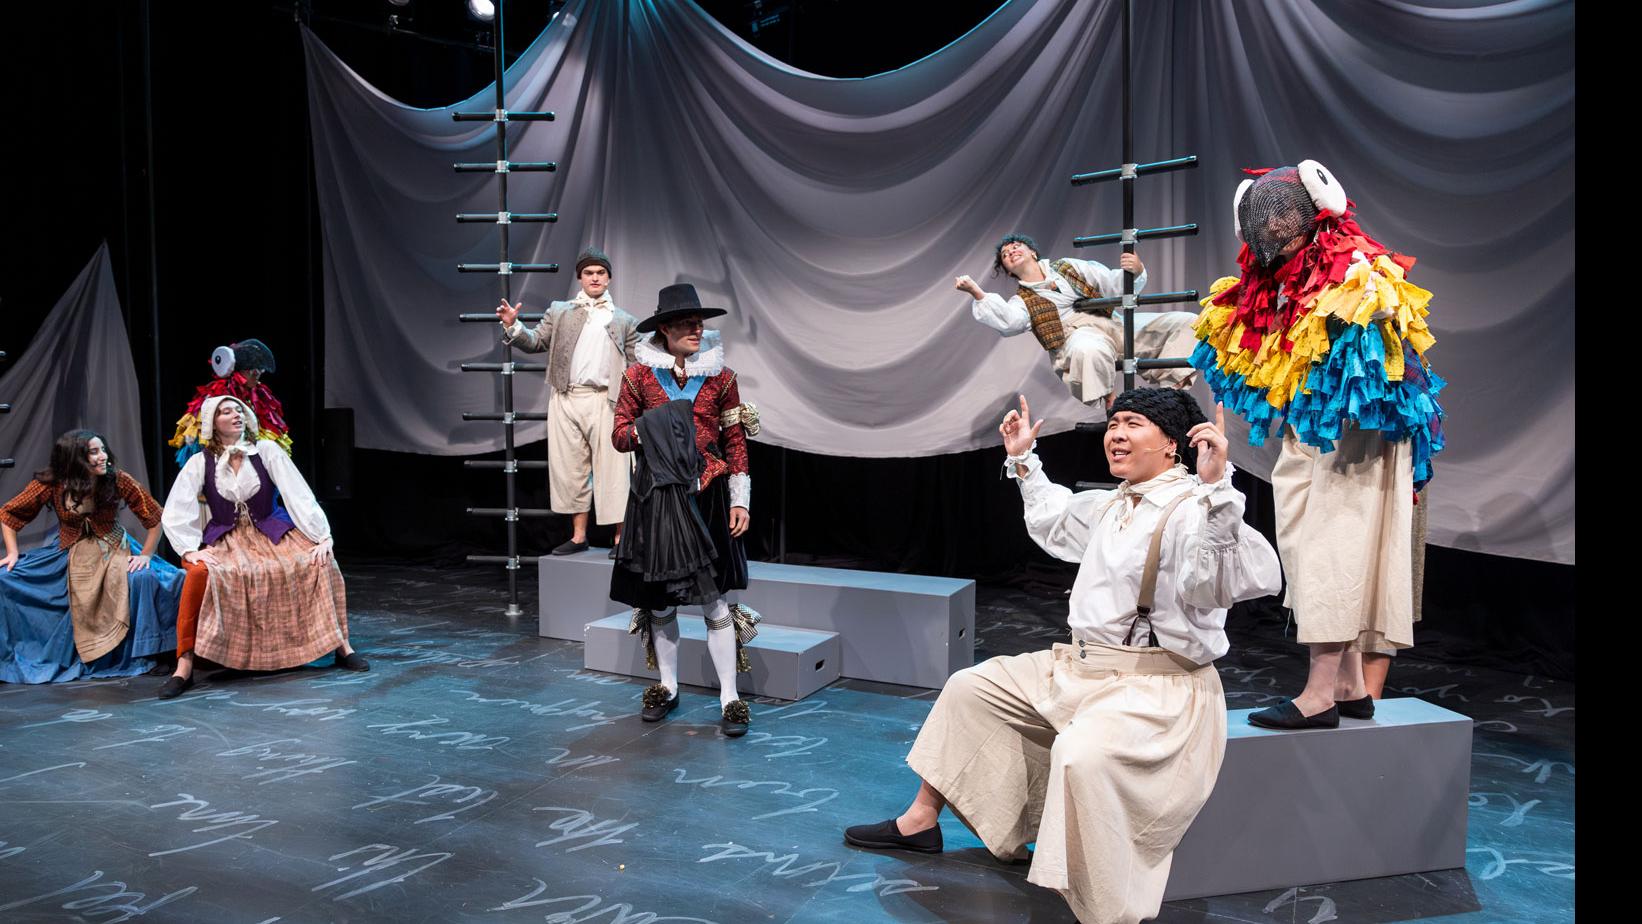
[70,469]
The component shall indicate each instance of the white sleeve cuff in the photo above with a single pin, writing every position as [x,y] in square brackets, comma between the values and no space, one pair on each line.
[741,490]
[512,331]
[1029,460]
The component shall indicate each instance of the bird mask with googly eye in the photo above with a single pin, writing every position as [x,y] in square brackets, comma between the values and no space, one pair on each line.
[1281,204]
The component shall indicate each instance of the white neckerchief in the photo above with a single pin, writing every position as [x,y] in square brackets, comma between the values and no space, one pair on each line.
[586,301]
[1129,495]
[238,487]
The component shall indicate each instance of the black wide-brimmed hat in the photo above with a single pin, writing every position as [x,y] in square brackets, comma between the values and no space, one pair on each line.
[677,301]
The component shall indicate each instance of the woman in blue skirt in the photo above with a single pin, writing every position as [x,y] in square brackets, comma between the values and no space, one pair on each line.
[92,603]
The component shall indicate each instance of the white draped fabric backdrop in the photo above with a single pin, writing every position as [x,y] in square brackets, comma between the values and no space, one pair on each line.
[829,216]
[77,373]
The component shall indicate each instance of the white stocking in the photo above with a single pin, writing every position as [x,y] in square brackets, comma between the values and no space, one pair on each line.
[721,645]
[665,637]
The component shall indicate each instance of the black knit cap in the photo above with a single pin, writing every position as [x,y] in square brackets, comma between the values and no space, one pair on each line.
[1171,410]
[1014,237]
[593,255]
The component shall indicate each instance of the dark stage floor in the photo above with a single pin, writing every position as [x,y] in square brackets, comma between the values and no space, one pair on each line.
[477,774]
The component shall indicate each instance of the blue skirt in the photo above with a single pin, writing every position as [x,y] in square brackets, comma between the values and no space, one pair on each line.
[37,636]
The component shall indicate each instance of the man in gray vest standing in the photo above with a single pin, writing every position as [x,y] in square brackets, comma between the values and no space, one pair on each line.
[588,341]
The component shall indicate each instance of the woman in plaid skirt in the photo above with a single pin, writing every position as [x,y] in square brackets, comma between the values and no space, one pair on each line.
[263,591]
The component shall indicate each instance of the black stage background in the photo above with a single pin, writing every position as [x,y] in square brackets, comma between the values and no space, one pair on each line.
[179,134]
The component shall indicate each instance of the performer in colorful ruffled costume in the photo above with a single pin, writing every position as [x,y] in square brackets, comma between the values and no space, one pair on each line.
[1324,335]
[239,368]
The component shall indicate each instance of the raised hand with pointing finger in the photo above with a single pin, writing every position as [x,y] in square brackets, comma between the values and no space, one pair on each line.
[1209,439]
[1017,437]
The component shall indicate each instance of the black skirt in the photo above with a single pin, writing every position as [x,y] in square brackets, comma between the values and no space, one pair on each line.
[662,560]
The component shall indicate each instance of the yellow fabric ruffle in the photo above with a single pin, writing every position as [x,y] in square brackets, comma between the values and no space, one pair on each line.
[188,432]
[282,439]
[1367,289]
[1372,288]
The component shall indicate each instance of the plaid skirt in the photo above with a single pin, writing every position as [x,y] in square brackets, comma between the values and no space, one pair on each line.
[266,606]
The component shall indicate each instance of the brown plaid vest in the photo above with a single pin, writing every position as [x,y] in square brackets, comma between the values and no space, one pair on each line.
[1045,318]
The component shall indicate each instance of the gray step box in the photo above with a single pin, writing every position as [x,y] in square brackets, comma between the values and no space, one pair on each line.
[1375,797]
[896,628]
[787,663]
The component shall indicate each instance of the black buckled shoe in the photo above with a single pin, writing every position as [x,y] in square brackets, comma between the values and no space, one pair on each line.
[175,686]
[886,836]
[570,547]
[1356,708]
[351,661]
[1287,716]
[656,703]
[735,720]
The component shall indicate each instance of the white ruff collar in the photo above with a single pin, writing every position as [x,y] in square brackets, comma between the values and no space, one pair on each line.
[709,360]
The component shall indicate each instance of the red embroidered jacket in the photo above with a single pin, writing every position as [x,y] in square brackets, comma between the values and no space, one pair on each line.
[723,450]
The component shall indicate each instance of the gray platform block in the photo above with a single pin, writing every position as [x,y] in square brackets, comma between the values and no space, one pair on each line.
[574,591]
[786,663]
[1375,797]
[896,628]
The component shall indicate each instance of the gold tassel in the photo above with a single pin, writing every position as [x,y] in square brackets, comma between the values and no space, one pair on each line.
[641,624]
[745,619]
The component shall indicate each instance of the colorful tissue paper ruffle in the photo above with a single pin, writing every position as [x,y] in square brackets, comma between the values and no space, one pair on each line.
[1352,352]
[269,412]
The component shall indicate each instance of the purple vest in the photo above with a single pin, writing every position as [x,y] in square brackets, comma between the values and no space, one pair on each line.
[272,520]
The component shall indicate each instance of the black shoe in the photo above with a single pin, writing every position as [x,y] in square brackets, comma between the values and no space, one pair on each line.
[886,836]
[1356,708]
[656,703]
[1286,715]
[612,553]
[733,723]
[570,547]
[351,661]
[174,686]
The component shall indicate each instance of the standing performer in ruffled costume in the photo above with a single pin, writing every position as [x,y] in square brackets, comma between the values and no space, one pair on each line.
[1324,333]
[680,413]
[239,368]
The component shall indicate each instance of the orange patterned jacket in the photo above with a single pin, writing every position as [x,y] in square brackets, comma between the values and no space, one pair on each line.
[72,526]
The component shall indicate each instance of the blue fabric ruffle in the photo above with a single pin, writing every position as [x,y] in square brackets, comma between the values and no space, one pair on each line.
[1350,385]
[1233,391]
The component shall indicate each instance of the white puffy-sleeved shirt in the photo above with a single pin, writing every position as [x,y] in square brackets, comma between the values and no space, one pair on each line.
[591,359]
[184,518]
[1210,559]
[1008,316]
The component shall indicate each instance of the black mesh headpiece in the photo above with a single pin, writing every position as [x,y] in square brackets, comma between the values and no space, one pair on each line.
[1273,211]
[1173,411]
[253,354]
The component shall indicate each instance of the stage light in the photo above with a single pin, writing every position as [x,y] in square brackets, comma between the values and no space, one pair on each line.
[399,2]
[482,10]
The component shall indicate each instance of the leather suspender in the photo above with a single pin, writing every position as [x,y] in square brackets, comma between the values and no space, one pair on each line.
[1148,577]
